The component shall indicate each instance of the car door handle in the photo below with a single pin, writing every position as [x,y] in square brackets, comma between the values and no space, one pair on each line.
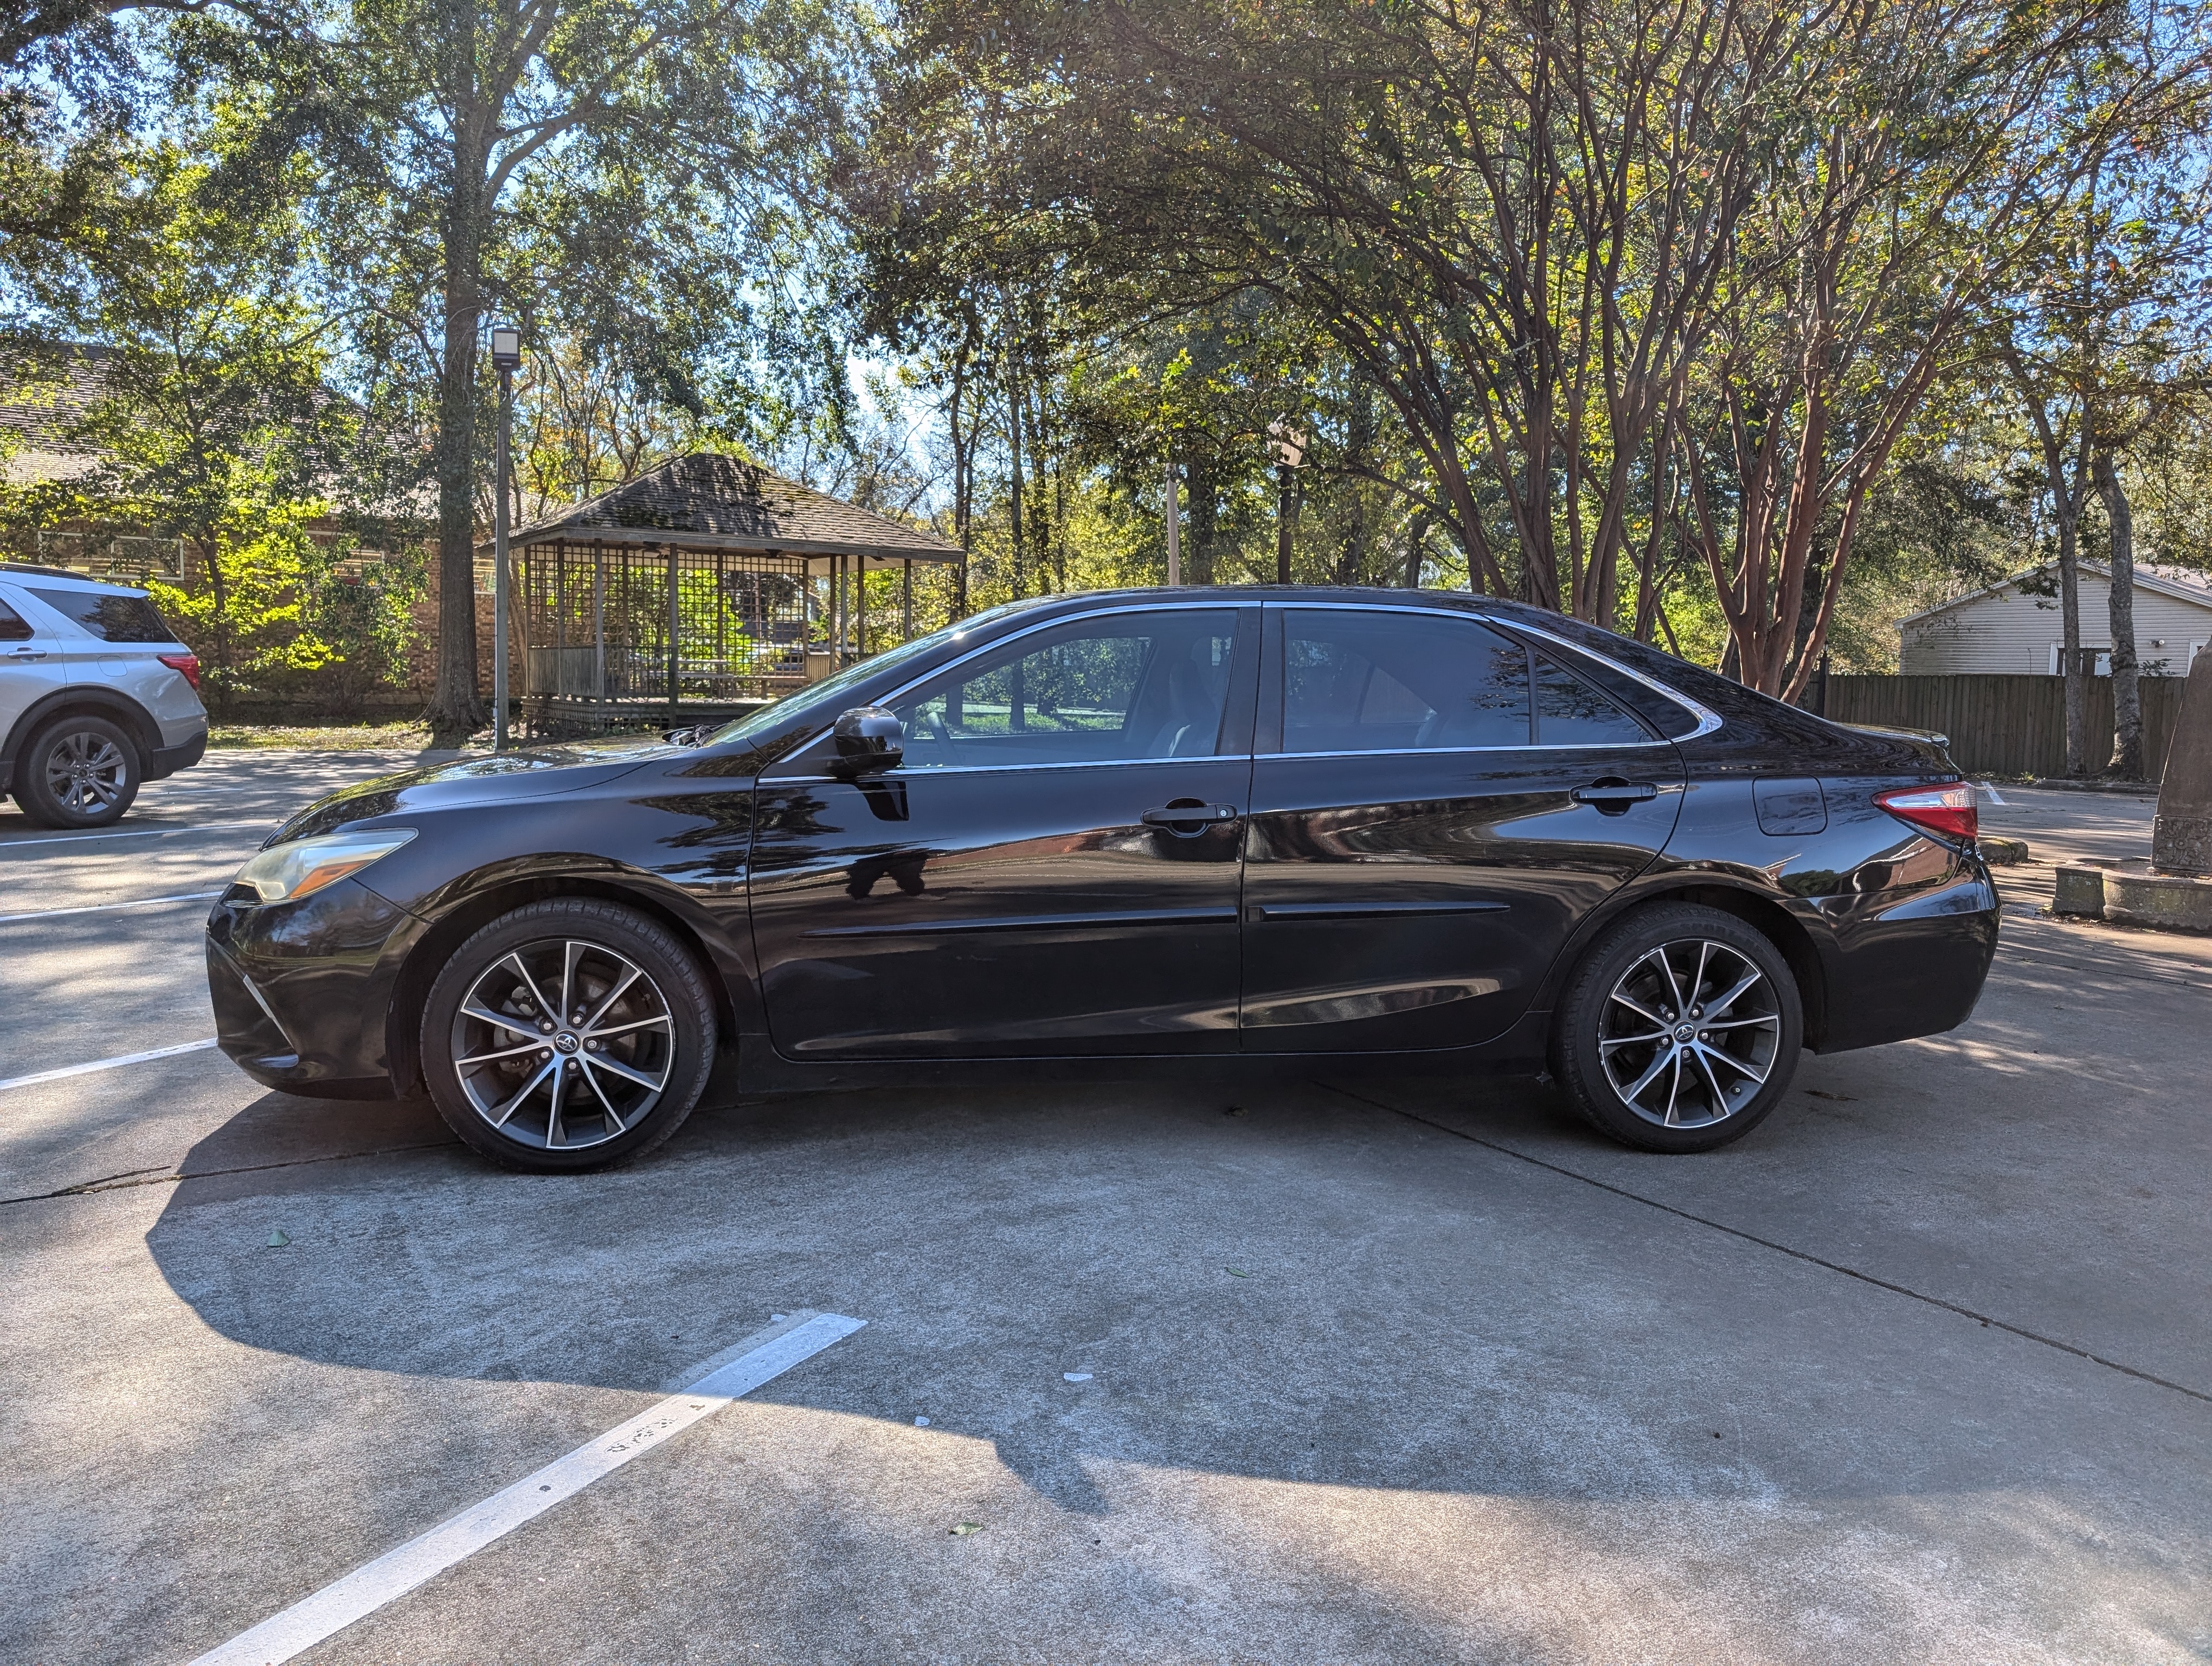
[1614,797]
[27,653]
[1177,817]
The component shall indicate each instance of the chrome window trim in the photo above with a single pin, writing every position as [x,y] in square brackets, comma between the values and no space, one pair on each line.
[1708,719]
[982,649]
[1461,752]
[930,771]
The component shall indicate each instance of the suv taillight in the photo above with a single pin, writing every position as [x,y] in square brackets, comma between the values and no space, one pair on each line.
[187,663]
[1948,809]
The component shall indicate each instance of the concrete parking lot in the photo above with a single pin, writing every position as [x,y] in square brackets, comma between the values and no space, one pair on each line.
[1372,1366]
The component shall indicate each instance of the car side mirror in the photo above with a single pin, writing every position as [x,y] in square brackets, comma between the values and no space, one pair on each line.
[866,739]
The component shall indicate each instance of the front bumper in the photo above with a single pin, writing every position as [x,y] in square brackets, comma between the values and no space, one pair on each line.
[301,990]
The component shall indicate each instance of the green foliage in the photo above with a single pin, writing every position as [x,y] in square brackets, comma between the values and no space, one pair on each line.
[214,425]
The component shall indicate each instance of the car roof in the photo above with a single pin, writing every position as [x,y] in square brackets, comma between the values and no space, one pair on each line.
[83,580]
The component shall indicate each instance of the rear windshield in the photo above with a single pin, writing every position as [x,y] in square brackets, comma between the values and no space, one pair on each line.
[109,615]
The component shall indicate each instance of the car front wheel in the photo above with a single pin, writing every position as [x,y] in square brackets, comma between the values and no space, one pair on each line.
[1680,1029]
[567,1035]
[77,772]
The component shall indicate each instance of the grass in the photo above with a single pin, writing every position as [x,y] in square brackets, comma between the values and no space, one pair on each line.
[410,737]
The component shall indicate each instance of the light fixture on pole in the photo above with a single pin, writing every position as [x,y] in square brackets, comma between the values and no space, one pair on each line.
[507,358]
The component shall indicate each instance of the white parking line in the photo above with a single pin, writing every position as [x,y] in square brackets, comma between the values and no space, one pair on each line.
[141,833]
[106,1064]
[102,908]
[396,1572]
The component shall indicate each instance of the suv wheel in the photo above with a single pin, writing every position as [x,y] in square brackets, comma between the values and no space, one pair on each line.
[567,1035]
[77,772]
[1680,1029]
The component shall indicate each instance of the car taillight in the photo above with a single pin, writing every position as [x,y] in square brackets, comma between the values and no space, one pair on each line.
[1948,809]
[187,663]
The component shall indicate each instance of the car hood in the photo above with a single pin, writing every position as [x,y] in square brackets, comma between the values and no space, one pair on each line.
[529,773]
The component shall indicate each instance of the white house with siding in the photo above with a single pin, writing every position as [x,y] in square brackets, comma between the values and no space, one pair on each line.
[2011,628]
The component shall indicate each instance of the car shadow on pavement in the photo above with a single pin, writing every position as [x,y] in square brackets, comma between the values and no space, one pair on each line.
[1101,1277]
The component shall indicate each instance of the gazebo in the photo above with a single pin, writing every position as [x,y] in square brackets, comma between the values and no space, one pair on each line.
[697,591]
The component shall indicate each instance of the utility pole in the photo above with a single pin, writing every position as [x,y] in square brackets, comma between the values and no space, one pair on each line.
[507,356]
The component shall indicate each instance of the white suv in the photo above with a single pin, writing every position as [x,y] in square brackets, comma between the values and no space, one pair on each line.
[96,696]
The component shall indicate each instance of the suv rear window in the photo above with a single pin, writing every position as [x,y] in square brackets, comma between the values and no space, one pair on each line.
[109,616]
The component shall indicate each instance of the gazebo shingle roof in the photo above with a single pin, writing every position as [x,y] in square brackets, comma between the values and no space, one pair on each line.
[710,501]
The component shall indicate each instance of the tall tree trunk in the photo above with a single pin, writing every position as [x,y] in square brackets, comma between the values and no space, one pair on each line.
[2070,623]
[221,683]
[1205,521]
[457,709]
[1416,535]
[1014,451]
[2066,499]
[2127,696]
[963,485]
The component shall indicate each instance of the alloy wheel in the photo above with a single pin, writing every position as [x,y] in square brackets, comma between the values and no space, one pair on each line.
[563,1044]
[1689,1033]
[85,772]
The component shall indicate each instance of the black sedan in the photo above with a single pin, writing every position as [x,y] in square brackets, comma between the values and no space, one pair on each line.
[1160,824]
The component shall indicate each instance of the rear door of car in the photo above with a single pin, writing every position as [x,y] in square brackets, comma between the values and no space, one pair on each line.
[33,658]
[1436,803]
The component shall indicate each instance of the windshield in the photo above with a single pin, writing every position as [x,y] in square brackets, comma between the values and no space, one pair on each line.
[826,698]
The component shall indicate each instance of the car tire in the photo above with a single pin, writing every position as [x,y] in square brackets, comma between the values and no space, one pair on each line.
[1679,1030]
[607,1077]
[78,772]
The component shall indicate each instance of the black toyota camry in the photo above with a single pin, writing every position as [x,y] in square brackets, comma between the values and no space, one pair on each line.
[1159,824]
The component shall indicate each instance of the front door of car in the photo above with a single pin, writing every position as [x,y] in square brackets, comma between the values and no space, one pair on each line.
[1436,804]
[1022,884]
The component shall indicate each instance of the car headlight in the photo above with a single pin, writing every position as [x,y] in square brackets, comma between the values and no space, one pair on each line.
[287,873]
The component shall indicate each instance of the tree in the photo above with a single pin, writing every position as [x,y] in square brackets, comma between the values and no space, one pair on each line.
[433,120]
[214,423]
[2105,346]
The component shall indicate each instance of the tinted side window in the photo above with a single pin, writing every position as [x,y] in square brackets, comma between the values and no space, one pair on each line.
[1106,690]
[13,626]
[1357,682]
[1570,713]
[114,618]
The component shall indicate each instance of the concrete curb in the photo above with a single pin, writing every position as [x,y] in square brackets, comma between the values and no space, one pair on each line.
[2163,902]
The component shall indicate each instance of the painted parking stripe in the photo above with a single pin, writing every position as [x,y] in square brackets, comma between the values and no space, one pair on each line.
[102,908]
[138,833]
[107,1064]
[396,1572]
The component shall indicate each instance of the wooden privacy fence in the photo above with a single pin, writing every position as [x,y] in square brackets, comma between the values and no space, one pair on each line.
[2006,726]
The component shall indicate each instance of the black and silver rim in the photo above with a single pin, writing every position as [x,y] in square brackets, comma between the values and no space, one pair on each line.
[1689,1033]
[86,773]
[563,1044]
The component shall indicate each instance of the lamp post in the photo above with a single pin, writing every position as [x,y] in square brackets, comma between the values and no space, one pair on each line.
[1289,444]
[507,358]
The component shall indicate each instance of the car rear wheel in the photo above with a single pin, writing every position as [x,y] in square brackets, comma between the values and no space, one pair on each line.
[568,1035]
[1680,1029]
[77,772]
